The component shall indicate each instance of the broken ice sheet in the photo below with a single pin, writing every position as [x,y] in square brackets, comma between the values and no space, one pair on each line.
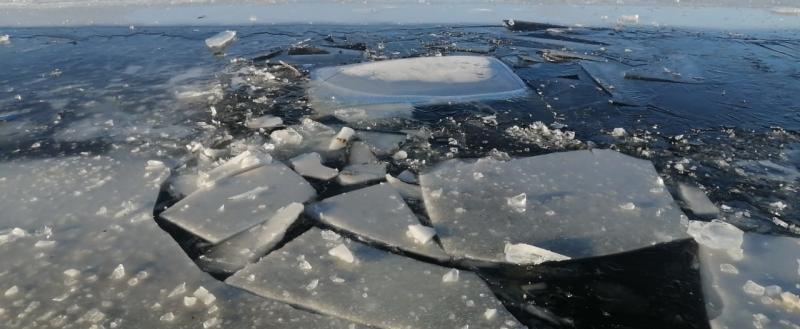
[577,204]
[420,80]
[232,254]
[382,143]
[235,204]
[755,287]
[697,201]
[220,41]
[361,174]
[379,289]
[376,213]
[310,165]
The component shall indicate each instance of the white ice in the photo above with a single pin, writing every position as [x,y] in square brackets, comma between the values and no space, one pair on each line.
[221,40]
[361,174]
[310,165]
[697,201]
[237,203]
[577,204]
[421,80]
[376,213]
[265,122]
[378,288]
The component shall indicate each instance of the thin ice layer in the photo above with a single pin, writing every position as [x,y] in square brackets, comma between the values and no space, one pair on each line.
[380,289]
[235,204]
[755,289]
[377,213]
[413,81]
[577,204]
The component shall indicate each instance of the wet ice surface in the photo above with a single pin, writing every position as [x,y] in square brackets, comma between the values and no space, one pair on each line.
[83,111]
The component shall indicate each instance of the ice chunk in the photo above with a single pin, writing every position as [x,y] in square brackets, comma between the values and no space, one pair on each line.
[266,121]
[221,40]
[697,201]
[718,235]
[360,174]
[341,139]
[518,202]
[286,137]
[382,143]
[619,132]
[407,190]
[376,213]
[5,39]
[199,213]
[420,233]
[310,165]
[232,254]
[408,177]
[360,154]
[342,253]
[524,254]
[243,162]
[573,205]
[763,284]
[381,290]
[451,276]
[412,81]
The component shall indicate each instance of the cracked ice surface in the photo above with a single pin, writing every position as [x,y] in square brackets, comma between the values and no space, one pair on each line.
[418,80]
[376,213]
[235,204]
[87,253]
[577,204]
[377,288]
[752,282]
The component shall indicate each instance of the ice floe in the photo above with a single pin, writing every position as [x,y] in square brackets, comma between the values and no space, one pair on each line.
[310,165]
[377,288]
[576,204]
[237,203]
[697,201]
[421,80]
[755,287]
[379,214]
[220,41]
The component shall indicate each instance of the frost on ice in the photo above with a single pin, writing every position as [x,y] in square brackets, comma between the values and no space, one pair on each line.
[237,203]
[369,90]
[574,204]
[380,289]
[376,213]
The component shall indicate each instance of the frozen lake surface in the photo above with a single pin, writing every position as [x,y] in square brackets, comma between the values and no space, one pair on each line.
[446,176]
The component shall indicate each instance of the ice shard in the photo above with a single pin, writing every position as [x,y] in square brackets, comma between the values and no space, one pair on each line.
[237,203]
[420,80]
[575,204]
[377,288]
[376,213]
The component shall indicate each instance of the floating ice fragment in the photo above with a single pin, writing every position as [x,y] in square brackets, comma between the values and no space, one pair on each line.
[378,214]
[524,254]
[277,187]
[619,132]
[382,143]
[420,233]
[717,235]
[265,122]
[211,323]
[11,292]
[451,276]
[167,317]
[360,154]
[518,202]
[628,19]
[189,301]
[204,296]
[490,314]
[407,190]
[397,286]
[697,201]
[342,253]
[5,39]
[400,155]
[360,174]
[408,177]
[72,273]
[220,41]
[628,206]
[583,189]
[752,288]
[310,165]
[341,139]
[179,290]
[234,253]
[44,244]
[411,81]
[286,137]
[243,162]
[118,273]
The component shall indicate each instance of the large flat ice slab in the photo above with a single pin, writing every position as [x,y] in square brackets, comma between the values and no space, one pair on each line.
[422,80]
[234,204]
[329,274]
[749,280]
[576,204]
[377,213]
